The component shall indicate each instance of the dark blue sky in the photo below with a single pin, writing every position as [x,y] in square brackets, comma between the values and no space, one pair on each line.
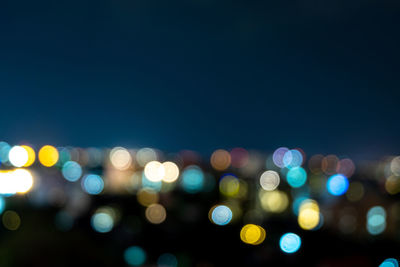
[202,74]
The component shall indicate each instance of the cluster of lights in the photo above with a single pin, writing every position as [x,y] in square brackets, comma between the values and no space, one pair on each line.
[284,183]
[15,181]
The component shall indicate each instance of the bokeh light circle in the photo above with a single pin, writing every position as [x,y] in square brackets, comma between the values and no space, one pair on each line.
[156,213]
[192,179]
[296,177]
[252,234]
[309,215]
[120,158]
[102,222]
[93,184]
[269,180]
[135,256]
[278,155]
[71,171]
[48,156]
[376,220]
[337,184]
[171,172]
[221,215]
[220,159]
[229,185]
[292,158]
[274,201]
[18,156]
[290,243]
[154,171]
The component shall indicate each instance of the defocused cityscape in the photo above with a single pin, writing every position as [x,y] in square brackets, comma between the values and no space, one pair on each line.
[145,207]
[199,133]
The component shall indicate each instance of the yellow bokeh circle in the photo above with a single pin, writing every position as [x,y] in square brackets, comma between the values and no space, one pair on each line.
[48,156]
[252,234]
[31,156]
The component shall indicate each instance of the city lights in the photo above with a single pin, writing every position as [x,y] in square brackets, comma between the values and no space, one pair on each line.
[248,191]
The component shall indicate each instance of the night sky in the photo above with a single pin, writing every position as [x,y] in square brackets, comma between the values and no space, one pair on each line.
[202,74]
